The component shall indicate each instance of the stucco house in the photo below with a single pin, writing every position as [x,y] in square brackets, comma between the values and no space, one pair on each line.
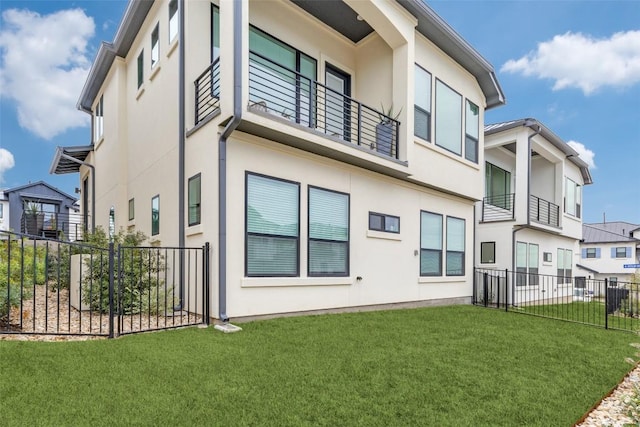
[530,219]
[331,151]
[609,250]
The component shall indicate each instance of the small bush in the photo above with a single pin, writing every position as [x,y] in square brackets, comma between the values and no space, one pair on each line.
[22,266]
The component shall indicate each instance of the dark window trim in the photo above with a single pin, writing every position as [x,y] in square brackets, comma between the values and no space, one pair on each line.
[348,241]
[464,245]
[384,222]
[211,36]
[591,252]
[624,248]
[435,97]
[157,196]
[246,227]
[155,31]
[173,3]
[132,209]
[493,258]
[544,257]
[428,113]
[472,138]
[198,175]
[439,273]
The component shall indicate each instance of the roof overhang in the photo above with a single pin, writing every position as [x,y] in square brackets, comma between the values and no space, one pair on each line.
[69,159]
[591,270]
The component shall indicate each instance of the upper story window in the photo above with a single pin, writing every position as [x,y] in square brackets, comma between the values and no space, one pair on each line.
[112,223]
[194,200]
[591,253]
[472,128]
[155,215]
[573,198]
[1,210]
[215,32]
[98,120]
[383,222]
[132,210]
[155,46]
[621,252]
[173,20]
[141,68]
[422,107]
[448,118]
[497,186]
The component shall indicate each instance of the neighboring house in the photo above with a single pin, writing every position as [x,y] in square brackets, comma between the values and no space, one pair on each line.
[40,209]
[606,248]
[4,212]
[329,151]
[530,220]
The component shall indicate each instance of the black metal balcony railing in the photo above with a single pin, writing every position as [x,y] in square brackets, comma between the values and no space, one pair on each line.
[544,212]
[498,208]
[207,87]
[292,96]
[54,225]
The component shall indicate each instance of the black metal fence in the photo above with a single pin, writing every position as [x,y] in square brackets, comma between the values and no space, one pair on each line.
[53,287]
[544,212]
[612,305]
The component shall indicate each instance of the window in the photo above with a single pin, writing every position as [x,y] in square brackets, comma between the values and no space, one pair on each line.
[141,69]
[272,226]
[155,215]
[565,263]
[487,252]
[173,20]
[573,198]
[194,200]
[455,246]
[613,281]
[430,244]
[591,253]
[527,257]
[422,107]
[472,126]
[112,223]
[215,32]
[328,233]
[382,222]
[98,120]
[132,210]
[547,257]
[448,118]
[1,210]
[155,46]
[621,252]
[497,186]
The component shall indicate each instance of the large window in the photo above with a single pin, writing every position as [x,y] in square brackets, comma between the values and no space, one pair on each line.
[472,128]
[141,69]
[155,215]
[194,200]
[422,107]
[448,118]
[565,263]
[383,222]
[487,252]
[527,264]
[173,20]
[215,32]
[573,198]
[98,120]
[430,244]
[328,233]
[272,226]
[455,246]
[155,46]
[497,186]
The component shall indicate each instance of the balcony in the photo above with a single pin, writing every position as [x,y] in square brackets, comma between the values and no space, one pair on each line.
[498,208]
[53,225]
[544,212]
[207,91]
[292,97]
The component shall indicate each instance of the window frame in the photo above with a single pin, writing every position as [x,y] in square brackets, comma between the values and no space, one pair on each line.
[383,218]
[132,209]
[468,137]
[1,210]
[98,120]
[310,239]
[591,253]
[439,251]
[418,108]
[173,29]
[564,277]
[155,224]
[198,205]
[140,62]
[155,46]
[452,252]
[437,115]
[547,257]
[112,223]
[573,207]
[624,249]
[492,246]
[246,226]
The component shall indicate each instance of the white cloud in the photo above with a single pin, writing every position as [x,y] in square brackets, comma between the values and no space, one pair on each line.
[584,153]
[575,60]
[6,162]
[43,65]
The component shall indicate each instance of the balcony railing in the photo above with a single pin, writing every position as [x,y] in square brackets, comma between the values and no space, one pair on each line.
[544,212]
[54,225]
[291,96]
[207,87]
[498,208]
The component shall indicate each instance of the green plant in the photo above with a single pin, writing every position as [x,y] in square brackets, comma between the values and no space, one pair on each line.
[388,114]
[22,266]
[32,208]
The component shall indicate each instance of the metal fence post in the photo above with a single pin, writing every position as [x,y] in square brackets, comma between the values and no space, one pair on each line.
[506,290]
[485,288]
[606,303]
[111,293]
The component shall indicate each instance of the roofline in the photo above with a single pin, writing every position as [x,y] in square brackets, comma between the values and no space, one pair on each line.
[587,268]
[46,184]
[571,154]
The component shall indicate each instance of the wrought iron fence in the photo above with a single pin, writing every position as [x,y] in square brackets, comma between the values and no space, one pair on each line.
[292,96]
[54,287]
[498,208]
[575,299]
[207,91]
[544,212]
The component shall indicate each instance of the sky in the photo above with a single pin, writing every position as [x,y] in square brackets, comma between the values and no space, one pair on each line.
[573,65]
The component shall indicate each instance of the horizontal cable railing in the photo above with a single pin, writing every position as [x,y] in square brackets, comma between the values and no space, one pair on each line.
[54,225]
[207,91]
[544,212]
[498,208]
[290,95]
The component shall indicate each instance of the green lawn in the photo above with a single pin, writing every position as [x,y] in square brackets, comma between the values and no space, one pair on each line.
[444,366]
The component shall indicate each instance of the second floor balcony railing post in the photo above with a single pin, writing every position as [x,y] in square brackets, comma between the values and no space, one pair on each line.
[359,123]
[195,101]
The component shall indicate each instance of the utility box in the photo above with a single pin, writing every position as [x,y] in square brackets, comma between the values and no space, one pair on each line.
[79,276]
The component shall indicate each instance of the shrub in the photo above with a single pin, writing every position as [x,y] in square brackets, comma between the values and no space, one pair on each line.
[22,266]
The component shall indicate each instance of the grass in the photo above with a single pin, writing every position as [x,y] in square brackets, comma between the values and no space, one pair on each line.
[444,366]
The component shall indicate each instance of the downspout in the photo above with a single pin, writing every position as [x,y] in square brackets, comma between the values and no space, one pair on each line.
[181,145]
[222,160]
[93,186]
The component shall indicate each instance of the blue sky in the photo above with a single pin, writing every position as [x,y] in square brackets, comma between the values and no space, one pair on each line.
[574,65]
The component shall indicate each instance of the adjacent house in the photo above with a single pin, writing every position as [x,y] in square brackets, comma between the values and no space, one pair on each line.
[331,151]
[530,219]
[610,250]
[40,209]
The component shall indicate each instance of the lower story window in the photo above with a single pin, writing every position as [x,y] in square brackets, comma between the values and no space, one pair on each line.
[328,233]
[455,246]
[487,252]
[272,227]
[155,215]
[430,244]
[565,262]
[527,260]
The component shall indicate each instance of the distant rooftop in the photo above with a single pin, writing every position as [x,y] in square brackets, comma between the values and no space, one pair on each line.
[609,232]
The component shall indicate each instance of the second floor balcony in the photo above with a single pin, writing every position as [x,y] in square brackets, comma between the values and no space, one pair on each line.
[544,212]
[54,225]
